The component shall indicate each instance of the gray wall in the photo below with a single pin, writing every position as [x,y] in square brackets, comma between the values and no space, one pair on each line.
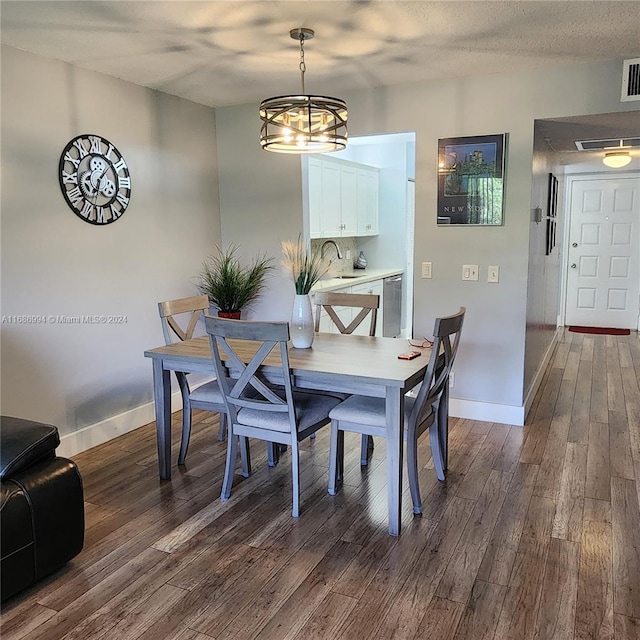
[261,191]
[261,196]
[543,287]
[53,263]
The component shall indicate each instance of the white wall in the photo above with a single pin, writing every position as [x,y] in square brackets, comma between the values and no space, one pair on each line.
[490,365]
[53,263]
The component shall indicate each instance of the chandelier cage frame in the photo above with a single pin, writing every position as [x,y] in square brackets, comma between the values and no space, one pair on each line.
[303,123]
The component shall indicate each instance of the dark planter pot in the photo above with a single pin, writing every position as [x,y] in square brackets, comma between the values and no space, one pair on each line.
[231,315]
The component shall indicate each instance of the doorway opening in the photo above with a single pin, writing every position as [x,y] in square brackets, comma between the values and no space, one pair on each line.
[392,247]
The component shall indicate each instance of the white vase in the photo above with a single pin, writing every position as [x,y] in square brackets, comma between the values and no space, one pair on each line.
[301,326]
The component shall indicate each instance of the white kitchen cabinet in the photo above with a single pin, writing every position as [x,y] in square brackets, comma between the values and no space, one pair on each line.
[343,198]
[348,200]
[331,201]
[367,201]
[315,197]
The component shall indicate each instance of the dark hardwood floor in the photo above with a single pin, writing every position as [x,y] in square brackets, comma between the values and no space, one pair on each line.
[535,533]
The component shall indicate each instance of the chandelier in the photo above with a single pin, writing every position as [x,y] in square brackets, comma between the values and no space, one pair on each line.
[303,123]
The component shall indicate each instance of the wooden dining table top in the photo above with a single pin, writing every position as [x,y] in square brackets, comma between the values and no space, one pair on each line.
[366,359]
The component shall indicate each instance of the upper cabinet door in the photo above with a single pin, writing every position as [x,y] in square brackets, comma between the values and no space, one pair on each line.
[331,200]
[349,200]
[368,201]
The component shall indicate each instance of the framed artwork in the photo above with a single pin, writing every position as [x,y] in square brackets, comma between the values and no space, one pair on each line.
[552,214]
[471,180]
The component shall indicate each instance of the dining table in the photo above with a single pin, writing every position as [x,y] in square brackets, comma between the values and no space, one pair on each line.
[363,365]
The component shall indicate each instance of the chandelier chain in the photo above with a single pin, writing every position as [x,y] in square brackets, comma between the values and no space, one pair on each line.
[303,66]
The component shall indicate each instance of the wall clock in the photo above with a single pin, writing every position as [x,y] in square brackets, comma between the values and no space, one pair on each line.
[94,179]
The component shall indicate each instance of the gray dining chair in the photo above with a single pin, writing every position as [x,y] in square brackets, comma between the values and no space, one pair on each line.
[329,301]
[368,305]
[179,320]
[256,408]
[427,410]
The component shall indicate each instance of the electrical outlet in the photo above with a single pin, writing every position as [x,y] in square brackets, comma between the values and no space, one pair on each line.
[493,273]
[426,269]
[348,254]
[452,380]
[469,271]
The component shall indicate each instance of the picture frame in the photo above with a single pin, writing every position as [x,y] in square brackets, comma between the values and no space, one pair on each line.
[552,214]
[471,180]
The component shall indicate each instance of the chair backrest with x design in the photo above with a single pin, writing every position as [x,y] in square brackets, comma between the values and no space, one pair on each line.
[194,306]
[367,303]
[247,388]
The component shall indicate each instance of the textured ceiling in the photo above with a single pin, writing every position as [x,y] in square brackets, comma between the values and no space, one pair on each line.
[233,52]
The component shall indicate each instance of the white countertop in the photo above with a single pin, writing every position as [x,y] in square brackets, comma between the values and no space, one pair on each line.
[360,276]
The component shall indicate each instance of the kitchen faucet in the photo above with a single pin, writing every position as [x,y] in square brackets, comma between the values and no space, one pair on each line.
[333,242]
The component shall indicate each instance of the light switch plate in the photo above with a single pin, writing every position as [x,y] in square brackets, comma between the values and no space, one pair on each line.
[470,272]
[493,273]
[426,269]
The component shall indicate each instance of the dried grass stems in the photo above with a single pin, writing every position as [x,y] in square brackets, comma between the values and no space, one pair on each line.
[305,266]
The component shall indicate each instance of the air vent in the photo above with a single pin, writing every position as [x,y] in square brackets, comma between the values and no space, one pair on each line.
[630,80]
[610,143]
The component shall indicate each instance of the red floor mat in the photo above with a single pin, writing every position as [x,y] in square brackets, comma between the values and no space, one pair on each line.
[604,330]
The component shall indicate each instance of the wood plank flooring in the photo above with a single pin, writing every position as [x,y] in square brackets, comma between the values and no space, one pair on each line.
[534,535]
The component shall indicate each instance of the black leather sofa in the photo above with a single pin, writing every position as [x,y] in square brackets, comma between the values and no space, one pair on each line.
[41,505]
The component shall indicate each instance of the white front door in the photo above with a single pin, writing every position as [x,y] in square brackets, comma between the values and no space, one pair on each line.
[603,280]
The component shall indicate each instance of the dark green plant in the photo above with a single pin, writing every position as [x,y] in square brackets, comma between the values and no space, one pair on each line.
[229,285]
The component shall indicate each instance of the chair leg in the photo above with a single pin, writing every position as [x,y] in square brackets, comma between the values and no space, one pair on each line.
[412,468]
[295,472]
[273,454]
[443,427]
[232,450]
[186,433]
[245,457]
[186,417]
[366,449]
[336,457]
[436,451]
[222,432]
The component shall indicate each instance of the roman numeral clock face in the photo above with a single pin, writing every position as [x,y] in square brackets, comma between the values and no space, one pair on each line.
[94,179]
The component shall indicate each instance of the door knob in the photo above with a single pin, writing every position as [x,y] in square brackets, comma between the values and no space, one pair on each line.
[574,244]
[573,266]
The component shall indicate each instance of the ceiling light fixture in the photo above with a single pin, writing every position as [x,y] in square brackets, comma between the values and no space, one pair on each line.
[303,123]
[617,159]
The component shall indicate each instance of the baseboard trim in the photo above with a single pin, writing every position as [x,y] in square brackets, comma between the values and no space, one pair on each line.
[486,411]
[110,428]
[96,434]
[537,379]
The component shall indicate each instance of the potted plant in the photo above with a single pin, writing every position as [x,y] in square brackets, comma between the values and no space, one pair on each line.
[229,285]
